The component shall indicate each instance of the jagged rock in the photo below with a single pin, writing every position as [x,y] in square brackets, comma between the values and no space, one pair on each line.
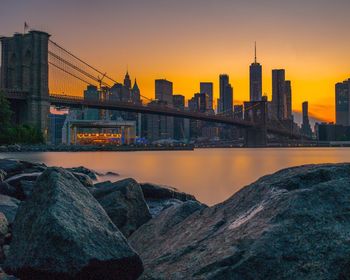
[9,206]
[11,166]
[23,183]
[84,170]
[7,189]
[61,232]
[84,179]
[124,203]
[2,175]
[159,198]
[294,224]
[160,225]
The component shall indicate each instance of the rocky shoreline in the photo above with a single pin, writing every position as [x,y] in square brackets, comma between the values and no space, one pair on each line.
[58,223]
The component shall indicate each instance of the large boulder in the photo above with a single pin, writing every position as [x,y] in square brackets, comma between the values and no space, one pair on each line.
[11,166]
[7,189]
[294,224]
[61,232]
[124,203]
[159,198]
[9,206]
[23,184]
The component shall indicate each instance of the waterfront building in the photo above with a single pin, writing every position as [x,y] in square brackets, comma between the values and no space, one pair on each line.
[56,123]
[342,94]
[305,127]
[279,100]
[207,88]
[332,132]
[255,79]
[226,95]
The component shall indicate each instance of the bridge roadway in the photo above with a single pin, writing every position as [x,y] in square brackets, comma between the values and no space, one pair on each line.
[79,102]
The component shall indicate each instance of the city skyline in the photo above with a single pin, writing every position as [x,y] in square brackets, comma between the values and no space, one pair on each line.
[189,53]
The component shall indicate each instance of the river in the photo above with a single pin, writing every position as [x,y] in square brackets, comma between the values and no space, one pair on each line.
[212,175]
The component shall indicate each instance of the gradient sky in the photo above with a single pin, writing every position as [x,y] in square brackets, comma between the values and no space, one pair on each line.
[188,41]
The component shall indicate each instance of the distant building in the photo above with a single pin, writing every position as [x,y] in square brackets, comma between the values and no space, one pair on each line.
[207,88]
[332,132]
[238,112]
[181,125]
[164,91]
[279,100]
[305,127]
[127,81]
[226,95]
[255,73]
[92,94]
[56,123]
[342,93]
[288,89]
[135,94]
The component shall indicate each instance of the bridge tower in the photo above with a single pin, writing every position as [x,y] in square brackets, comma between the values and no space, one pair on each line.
[25,69]
[256,112]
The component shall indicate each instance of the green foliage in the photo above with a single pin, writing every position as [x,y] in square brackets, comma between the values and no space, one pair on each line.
[16,134]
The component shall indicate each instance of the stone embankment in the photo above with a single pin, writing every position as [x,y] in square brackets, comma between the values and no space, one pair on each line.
[60,223]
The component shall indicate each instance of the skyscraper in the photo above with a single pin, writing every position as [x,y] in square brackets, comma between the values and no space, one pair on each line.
[342,96]
[164,91]
[135,93]
[279,100]
[288,88]
[226,95]
[255,71]
[207,88]
[305,127]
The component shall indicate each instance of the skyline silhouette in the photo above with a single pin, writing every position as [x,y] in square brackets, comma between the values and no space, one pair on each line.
[188,42]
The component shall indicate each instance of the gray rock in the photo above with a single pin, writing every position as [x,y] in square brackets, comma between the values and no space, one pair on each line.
[23,183]
[159,198]
[11,166]
[2,175]
[9,206]
[124,203]
[61,232]
[152,191]
[7,189]
[84,179]
[294,224]
[165,221]
[84,170]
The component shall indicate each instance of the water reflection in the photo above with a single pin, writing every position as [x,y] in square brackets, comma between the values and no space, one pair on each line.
[212,175]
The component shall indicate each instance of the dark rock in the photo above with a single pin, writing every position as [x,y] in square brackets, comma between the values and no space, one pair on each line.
[61,232]
[9,206]
[7,189]
[2,175]
[4,228]
[152,191]
[11,166]
[294,224]
[159,226]
[159,198]
[84,179]
[124,203]
[111,173]
[4,276]
[84,170]
[22,184]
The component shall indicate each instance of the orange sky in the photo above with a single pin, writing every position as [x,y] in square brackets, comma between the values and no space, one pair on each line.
[188,41]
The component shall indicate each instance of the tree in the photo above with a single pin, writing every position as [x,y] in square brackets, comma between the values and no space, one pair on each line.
[11,134]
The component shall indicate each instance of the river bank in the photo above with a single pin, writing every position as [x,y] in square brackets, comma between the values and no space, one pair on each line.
[60,223]
[91,148]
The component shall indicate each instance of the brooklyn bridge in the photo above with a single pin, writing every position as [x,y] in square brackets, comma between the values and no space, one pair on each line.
[35,68]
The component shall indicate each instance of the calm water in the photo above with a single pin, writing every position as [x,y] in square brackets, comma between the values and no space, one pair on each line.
[212,175]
